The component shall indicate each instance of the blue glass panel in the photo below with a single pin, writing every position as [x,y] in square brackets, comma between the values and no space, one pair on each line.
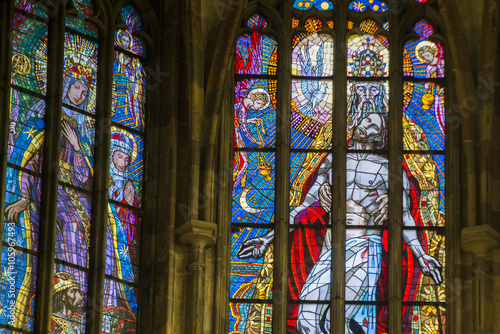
[424,116]
[322,5]
[374,5]
[122,250]
[253,187]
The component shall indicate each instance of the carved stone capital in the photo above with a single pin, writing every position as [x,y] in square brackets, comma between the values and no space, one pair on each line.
[479,239]
[197,233]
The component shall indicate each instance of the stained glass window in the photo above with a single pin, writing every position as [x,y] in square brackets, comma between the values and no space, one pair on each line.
[251,282]
[25,160]
[125,176]
[348,94]
[76,111]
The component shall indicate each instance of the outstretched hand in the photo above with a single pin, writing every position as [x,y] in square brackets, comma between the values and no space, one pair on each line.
[13,210]
[255,248]
[255,120]
[431,267]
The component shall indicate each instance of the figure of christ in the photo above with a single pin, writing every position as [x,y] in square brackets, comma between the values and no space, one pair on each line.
[367,205]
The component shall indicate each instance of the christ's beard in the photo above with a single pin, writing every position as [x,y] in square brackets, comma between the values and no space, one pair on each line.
[366,106]
[358,134]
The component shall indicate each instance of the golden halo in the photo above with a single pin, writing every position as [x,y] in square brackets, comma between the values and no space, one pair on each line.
[427,45]
[126,47]
[260,90]
[128,134]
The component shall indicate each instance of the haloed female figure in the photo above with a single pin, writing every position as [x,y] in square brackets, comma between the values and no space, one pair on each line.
[121,236]
[75,168]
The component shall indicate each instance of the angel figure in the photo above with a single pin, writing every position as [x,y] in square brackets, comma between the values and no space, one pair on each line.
[248,98]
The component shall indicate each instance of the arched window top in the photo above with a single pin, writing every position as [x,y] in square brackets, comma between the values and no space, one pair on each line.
[33,7]
[256,52]
[85,8]
[131,18]
[127,39]
[80,22]
[424,57]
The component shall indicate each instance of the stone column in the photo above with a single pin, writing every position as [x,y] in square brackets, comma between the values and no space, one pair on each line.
[496,287]
[200,235]
[481,240]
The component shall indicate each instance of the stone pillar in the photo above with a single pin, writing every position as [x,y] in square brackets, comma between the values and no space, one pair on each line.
[481,240]
[200,235]
[496,286]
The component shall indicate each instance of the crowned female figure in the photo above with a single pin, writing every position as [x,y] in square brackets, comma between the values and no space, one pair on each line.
[122,222]
[76,168]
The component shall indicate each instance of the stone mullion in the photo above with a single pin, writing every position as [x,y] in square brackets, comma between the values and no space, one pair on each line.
[224,184]
[282,172]
[100,198]
[6,29]
[452,210]
[50,170]
[395,143]
[339,155]
[193,34]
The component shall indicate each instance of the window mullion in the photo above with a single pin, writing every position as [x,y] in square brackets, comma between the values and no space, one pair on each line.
[50,171]
[282,198]
[100,197]
[452,203]
[339,149]
[395,221]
